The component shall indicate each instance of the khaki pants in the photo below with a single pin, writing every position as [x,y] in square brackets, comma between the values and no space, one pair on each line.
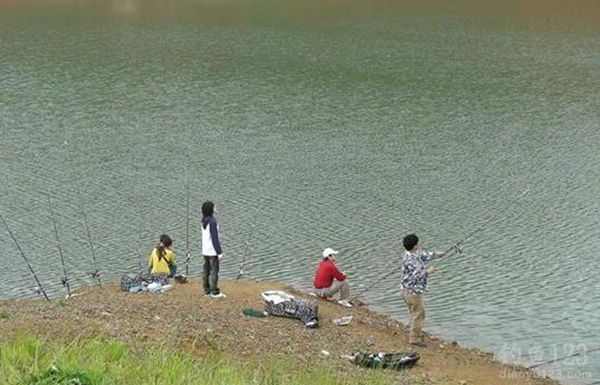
[416,310]
[337,286]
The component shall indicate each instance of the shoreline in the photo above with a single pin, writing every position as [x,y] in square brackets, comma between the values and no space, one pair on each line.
[184,320]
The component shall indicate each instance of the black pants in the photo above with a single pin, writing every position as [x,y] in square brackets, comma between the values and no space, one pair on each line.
[210,275]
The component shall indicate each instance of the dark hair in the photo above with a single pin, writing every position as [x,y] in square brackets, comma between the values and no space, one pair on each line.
[208,209]
[410,241]
[165,241]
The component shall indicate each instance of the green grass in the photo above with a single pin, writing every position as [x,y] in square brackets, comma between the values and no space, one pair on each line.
[31,361]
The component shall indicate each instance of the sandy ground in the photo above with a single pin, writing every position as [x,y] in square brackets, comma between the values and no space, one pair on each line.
[184,319]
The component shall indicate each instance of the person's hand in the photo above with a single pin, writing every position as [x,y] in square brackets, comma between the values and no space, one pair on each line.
[431,269]
[220,256]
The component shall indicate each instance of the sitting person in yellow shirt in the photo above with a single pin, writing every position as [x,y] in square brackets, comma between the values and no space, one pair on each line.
[162,259]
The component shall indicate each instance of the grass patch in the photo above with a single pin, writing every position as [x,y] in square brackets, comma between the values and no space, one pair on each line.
[4,315]
[58,376]
[31,361]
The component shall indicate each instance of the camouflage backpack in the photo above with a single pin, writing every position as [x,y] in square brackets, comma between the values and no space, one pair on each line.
[386,360]
[307,312]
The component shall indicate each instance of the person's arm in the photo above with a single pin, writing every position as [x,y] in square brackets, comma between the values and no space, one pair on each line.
[214,236]
[440,254]
[455,249]
[338,275]
[171,263]
[150,261]
[428,256]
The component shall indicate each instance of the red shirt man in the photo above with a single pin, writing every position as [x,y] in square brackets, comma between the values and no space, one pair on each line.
[329,280]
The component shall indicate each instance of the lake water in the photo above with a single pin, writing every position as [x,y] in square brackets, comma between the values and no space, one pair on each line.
[313,125]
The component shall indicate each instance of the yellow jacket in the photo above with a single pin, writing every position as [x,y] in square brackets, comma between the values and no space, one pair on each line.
[162,266]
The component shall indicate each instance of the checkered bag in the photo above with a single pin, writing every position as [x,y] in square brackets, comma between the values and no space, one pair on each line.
[386,360]
[305,311]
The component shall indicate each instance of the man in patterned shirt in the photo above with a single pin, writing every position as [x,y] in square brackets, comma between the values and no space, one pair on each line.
[414,284]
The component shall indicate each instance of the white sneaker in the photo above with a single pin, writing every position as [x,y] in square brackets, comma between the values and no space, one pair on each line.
[220,295]
[344,303]
[311,324]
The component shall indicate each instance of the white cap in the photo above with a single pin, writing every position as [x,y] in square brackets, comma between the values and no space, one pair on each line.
[329,251]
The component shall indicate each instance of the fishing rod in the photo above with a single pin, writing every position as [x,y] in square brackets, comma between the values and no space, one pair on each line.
[96,273]
[585,351]
[40,288]
[246,254]
[455,248]
[387,275]
[65,278]
[141,258]
[243,264]
[188,255]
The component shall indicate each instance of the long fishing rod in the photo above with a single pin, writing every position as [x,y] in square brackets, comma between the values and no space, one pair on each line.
[455,248]
[187,219]
[96,273]
[243,264]
[585,351]
[142,259]
[65,278]
[40,288]
[593,383]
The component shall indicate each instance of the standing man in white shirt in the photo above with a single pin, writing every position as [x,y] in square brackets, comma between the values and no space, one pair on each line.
[211,251]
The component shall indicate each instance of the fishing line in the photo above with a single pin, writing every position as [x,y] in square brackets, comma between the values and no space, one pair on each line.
[576,354]
[188,255]
[96,273]
[455,248]
[243,263]
[40,288]
[65,278]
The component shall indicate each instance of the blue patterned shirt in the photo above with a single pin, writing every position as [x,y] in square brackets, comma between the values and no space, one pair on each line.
[414,270]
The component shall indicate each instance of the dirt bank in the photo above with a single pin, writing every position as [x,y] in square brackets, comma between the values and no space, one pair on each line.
[184,319]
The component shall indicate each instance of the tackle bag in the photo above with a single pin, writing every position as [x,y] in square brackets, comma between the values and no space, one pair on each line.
[282,304]
[386,360]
